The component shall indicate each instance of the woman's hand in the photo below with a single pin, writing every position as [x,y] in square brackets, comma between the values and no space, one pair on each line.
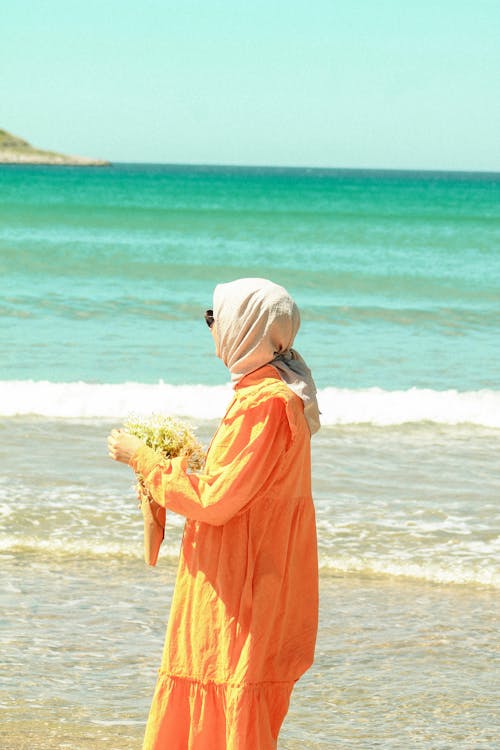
[122,445]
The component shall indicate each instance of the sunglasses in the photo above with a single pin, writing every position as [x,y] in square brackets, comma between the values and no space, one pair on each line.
[209,318]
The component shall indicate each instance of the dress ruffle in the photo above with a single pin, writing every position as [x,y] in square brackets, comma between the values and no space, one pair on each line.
[188,714]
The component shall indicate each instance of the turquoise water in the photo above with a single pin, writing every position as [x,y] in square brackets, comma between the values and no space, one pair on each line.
[105,275]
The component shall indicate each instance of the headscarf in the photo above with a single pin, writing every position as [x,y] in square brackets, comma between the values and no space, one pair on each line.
[256,323]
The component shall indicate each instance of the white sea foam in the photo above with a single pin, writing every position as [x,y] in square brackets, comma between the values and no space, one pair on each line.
[339,406]
[445,571]
[378,407]
[441,572]
[116,400]
[80,547]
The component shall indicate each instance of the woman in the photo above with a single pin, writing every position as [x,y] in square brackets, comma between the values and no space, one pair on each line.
[243,619]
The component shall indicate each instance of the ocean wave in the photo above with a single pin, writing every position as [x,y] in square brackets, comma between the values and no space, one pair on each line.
[439,572]
[445,572]
[375,406]
[69,547]
[339,406]
[115,400]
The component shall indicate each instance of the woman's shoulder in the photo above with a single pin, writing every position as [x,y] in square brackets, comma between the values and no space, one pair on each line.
[264,391]
[263,384]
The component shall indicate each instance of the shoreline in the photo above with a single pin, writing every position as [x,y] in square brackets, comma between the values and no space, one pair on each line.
[50,159]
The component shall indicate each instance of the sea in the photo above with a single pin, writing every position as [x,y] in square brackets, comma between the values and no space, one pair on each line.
[105,275]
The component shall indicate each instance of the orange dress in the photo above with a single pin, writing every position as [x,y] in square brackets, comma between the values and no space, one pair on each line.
[243,620]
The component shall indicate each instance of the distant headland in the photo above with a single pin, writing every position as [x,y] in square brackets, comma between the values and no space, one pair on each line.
[15,150]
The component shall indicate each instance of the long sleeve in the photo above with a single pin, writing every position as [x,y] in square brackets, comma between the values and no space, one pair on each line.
[239,468]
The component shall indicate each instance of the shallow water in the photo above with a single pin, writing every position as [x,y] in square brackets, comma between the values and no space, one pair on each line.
[401,661]
[398,664]
[417,501]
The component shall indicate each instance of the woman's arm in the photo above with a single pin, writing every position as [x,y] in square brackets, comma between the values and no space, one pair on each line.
[240,467]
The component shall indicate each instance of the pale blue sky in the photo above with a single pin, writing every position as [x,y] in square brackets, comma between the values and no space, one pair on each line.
[338,83]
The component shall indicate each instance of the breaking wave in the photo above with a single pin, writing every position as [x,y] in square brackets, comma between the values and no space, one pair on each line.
[339,406]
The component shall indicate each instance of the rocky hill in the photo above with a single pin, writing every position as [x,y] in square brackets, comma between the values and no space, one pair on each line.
[15,150]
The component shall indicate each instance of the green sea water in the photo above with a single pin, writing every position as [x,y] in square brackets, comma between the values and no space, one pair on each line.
[105,273]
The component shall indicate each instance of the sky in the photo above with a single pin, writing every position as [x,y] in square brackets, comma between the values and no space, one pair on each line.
[326,83]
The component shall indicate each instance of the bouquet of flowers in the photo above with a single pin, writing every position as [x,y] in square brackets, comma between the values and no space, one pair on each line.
[171,438]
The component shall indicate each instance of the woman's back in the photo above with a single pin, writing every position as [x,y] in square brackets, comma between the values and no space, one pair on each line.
[251,583]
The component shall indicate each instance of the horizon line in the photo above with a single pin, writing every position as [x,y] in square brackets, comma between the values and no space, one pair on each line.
[268,167]
[232,165]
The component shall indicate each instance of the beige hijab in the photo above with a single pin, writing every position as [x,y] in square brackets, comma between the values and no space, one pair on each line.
[256,323]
